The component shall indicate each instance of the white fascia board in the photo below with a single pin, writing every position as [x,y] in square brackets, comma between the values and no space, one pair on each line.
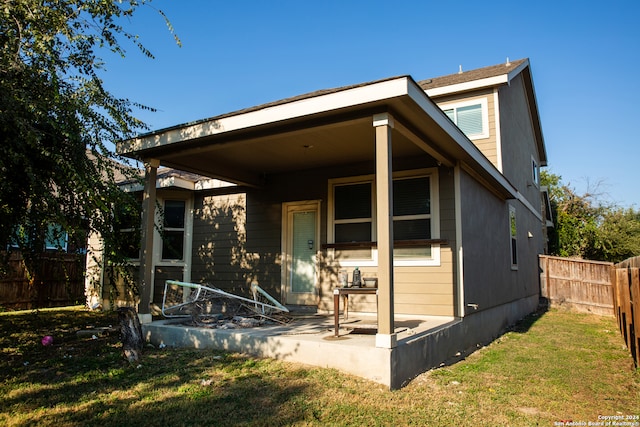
[472,85]
[173,181]
[277,113]
[131,188]
[430,108]
[208,184]
[167,182]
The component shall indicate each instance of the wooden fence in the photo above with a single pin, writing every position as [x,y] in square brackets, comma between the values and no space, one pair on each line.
[58,281]
[626,301]
[578,284]
[597,287]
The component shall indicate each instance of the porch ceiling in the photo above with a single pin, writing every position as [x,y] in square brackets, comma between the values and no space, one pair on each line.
[329,128]
[245,160]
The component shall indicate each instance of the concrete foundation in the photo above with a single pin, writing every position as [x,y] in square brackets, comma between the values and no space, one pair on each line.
[423,343]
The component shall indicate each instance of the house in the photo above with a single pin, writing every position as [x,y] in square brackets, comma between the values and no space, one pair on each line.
[431,187]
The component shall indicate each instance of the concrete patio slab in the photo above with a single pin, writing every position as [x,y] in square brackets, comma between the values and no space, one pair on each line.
[309,339]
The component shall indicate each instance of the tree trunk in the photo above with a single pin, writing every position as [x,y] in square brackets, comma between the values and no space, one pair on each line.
[131,334]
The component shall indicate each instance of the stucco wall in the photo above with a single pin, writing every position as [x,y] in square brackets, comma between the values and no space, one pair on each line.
[489,279]
[518,142]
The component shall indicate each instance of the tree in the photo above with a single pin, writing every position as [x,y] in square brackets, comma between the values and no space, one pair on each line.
[620,234]
[57,122]
[586,227]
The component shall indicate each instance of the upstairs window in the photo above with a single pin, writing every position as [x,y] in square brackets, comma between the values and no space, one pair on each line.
[471,117]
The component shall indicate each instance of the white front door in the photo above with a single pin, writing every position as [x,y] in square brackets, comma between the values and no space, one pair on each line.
[300,242]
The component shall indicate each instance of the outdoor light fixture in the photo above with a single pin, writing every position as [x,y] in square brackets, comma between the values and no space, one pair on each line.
[310,242]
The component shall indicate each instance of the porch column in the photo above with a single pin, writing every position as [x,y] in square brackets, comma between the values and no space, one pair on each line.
[146,246]
[386,336]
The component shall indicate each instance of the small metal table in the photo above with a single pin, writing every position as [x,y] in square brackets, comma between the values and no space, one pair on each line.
[345,292]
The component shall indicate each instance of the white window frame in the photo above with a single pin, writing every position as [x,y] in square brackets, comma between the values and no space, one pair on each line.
[434,216]
[63,237]
[187,236]
[484,108]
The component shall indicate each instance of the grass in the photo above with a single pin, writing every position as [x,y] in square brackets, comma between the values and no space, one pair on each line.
[551,367]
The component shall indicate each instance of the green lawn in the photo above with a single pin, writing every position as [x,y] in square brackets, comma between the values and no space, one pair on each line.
[552,367]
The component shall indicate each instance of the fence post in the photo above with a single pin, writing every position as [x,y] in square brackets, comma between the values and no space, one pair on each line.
[634,276]
[615,293]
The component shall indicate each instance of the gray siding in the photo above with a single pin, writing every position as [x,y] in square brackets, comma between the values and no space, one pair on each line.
[518,142]
[489,280]
[237,239]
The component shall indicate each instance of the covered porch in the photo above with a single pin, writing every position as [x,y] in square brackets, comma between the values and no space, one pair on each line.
[374,128]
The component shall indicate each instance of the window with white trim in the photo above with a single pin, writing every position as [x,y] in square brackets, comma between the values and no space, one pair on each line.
[127,219]
[56,238]
[173,230]
[535,172]
[513,234]
[353,217]
[472,117]
[353,220]
[412,216]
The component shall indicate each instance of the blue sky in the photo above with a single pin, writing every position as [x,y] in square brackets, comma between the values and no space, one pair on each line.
[584,55]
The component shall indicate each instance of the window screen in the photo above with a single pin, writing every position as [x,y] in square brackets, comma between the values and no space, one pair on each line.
[353,201]
[469,119]
[411,196]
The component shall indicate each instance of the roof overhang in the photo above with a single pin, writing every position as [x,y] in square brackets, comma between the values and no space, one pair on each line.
[322,129]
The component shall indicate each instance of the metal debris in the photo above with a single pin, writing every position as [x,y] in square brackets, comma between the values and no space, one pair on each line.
[210,307]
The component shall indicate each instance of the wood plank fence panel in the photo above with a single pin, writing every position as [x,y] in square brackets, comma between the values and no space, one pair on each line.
[627,307]
[58,281]
[597,287]
[634,275]
[624,301]
[579,284]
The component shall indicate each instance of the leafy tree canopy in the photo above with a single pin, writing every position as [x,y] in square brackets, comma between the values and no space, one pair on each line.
[586,227]
[57,121]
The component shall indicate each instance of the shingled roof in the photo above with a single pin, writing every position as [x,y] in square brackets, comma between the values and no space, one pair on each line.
[472,75]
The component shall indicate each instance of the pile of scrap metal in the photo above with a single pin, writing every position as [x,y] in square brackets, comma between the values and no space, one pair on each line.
[207,306]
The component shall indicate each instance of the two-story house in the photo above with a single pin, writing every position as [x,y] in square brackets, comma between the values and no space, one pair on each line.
[430,187]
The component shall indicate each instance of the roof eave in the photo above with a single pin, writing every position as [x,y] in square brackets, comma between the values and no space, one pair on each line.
[380,93]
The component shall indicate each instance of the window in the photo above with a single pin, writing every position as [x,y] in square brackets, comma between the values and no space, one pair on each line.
[412,215]
[535,172]
[471,117]
[173,231]
[353,219]
[56,238]
[353,212]
[128,222]
[513,232]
